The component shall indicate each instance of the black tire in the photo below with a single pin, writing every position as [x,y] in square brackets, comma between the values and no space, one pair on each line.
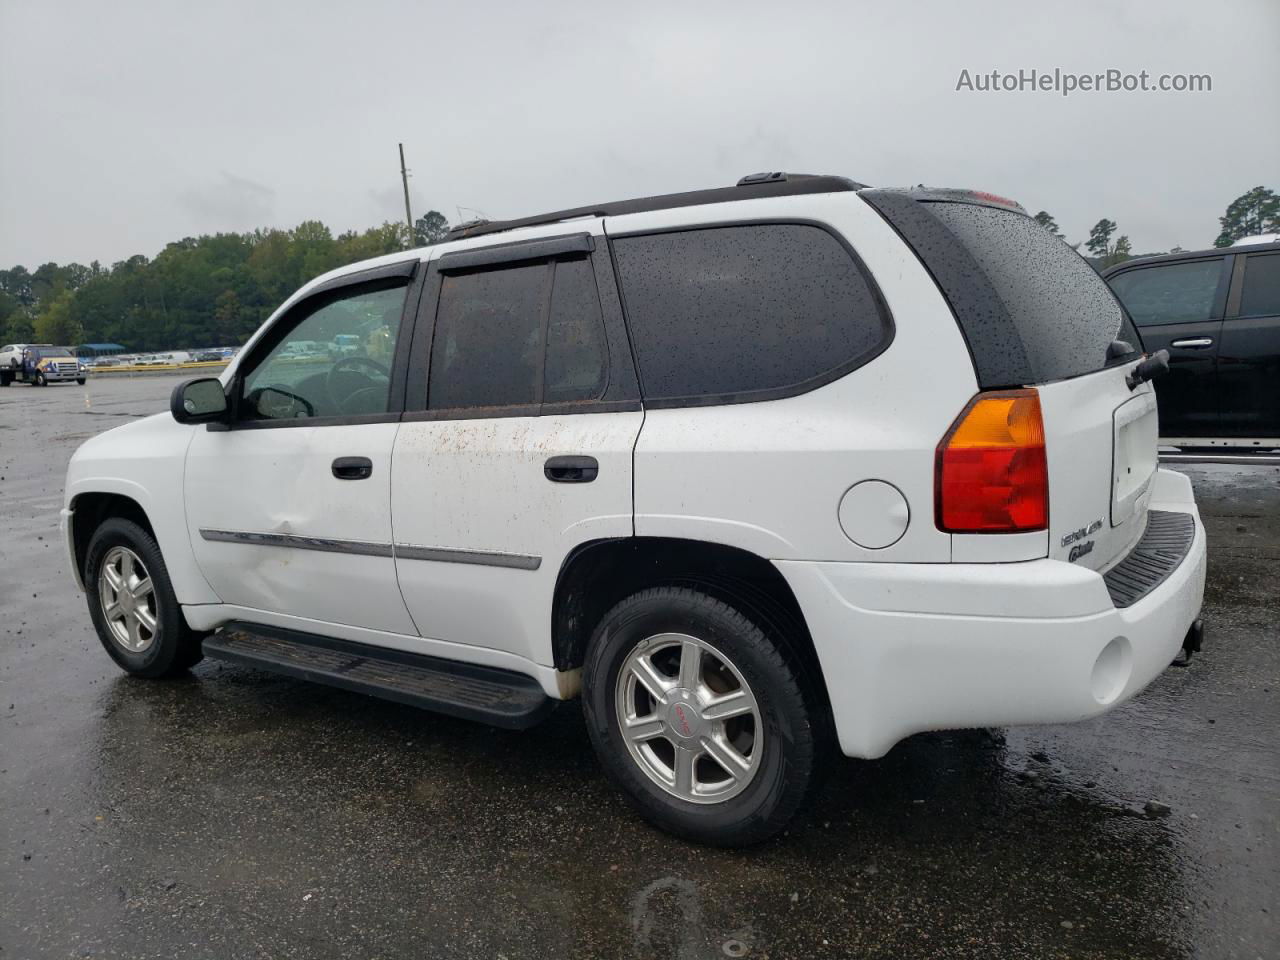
[174,647]
[40,381]
[4,379]
[80,380]
[791,730]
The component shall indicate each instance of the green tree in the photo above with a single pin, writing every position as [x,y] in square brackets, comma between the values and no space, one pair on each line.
[431,227]
[228,325]
[1121,252]
[1249,214]
[56,323]
[1100,238]
[1045,220]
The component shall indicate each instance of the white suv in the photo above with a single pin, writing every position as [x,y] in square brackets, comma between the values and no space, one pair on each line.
[750,469]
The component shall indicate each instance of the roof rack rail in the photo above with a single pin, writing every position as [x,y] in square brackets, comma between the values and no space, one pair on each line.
[770,184]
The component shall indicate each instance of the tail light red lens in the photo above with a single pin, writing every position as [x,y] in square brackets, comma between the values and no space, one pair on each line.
[992,476]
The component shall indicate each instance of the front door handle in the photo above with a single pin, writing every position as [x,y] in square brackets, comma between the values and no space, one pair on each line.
[571,469]
[1193,343]
[353,468]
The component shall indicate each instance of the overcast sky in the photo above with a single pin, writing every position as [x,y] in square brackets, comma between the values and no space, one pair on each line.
[126,125]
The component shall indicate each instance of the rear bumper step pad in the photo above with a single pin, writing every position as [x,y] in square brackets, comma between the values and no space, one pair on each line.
[490,695]
[1164,544]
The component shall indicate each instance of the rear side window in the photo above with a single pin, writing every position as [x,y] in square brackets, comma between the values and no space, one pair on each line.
[577,359]
[1173,293]
[738,313]
[1059,308]
[1260,296]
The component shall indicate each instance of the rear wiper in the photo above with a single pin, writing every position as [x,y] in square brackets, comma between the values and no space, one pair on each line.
[1119,348]
[1154,366]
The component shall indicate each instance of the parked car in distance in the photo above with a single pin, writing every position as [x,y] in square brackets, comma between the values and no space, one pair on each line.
[753,470]
[1217,312]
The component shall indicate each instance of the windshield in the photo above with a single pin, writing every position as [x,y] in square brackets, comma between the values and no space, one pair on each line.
[55,352]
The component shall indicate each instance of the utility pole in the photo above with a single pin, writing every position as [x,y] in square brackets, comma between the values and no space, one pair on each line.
[404,178]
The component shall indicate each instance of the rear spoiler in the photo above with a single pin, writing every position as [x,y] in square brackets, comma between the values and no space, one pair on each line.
[980,198]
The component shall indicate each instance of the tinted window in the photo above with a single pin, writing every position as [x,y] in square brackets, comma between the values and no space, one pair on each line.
[487,349]
[1260,296]
[1173,293]
[576,354]
[730,311]
[334,361]
[1060,309]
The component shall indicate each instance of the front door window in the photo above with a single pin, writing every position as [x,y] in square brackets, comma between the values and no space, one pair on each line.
[334,362]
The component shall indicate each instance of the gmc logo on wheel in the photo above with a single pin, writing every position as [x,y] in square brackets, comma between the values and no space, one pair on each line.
[684,721]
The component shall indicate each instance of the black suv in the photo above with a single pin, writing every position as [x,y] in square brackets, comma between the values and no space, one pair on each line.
[1217,312]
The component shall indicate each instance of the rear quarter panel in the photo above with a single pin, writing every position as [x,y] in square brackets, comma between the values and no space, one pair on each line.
[769,476]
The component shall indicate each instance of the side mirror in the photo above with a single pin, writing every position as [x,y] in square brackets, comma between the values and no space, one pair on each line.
[198,401]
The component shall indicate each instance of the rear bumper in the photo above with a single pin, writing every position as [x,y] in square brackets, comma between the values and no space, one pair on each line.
[911,647]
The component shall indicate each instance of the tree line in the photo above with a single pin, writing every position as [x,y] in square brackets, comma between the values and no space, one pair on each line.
[215,290]
[212,290]
[1254,212]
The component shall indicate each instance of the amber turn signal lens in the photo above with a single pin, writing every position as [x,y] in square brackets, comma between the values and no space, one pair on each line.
[992,475]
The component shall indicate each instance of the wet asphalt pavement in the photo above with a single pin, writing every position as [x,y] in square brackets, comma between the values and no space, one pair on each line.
[237,814]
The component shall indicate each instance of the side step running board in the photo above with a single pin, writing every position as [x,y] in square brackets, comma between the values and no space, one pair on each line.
[501,698]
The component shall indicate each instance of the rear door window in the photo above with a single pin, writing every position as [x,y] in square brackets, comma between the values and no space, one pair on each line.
[736,313]
[518,336]
[1260,295]
[487,350]
[1169,293]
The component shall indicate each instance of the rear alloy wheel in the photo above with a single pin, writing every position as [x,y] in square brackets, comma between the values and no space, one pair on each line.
[700,717]
[689,720]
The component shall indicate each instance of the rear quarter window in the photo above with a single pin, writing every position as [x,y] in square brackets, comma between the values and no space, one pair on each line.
[1260,295]
[746,312]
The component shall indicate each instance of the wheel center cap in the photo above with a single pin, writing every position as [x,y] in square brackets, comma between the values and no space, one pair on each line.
[126,601]
[684,720]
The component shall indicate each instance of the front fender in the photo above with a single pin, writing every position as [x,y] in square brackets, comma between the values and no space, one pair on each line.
[144,461]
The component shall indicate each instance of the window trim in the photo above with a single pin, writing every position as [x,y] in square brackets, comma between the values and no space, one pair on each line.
[621,392]
[378,278]
[542,248]
[1226,271]
[888,327]
[1236,296]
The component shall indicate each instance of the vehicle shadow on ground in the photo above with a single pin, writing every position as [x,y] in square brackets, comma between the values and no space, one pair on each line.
[301,787]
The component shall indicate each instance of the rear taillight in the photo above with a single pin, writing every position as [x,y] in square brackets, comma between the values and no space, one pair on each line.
[992,476]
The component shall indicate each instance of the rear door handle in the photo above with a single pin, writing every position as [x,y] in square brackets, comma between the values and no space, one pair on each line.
[353,468]
[571,469]
[1193,343]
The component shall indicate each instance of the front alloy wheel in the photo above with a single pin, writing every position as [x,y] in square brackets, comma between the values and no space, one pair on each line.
[132,603]
[128,599]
